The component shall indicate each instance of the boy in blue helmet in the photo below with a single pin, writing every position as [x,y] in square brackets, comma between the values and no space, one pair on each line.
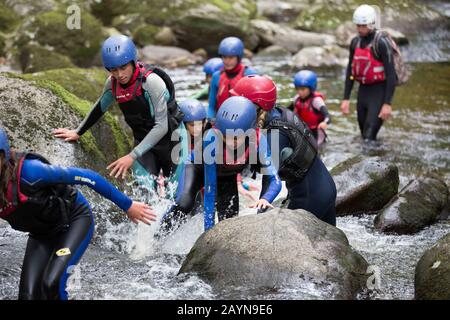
[39,198]
[231,50]
[309,104]
[209,68]
[216,164]
[146,97]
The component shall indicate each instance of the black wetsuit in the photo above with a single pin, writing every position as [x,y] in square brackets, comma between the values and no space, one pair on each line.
[371,97]
[316,192]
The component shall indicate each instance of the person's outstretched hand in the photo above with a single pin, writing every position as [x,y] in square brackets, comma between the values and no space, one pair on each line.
[120,166]
[261,204]
[66,134]
[141,212]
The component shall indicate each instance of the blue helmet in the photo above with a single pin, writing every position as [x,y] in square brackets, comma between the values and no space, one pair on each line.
[306,78]
[4,144]
[212,65]
[236,113]
[231,46]
[117,51]
[193,110]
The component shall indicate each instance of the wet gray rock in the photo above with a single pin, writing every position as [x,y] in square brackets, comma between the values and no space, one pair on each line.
[293,40]
[364,185]
[278,249]
[326,56]
[167,56]
[432,274]
[415,207]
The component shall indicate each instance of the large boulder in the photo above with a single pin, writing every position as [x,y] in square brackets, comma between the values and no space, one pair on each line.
[49,30]
[320,57]
[9,19]
[34,58]
[364,185]
[31,109]
[418,205]
[86,84]
[432,275]
[293,40]
[278,249]
[205,26]
[167,56]
[280,11]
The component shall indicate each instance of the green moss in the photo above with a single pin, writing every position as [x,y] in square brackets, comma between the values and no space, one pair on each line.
[9,20]
[82,108]
[84,83]
[50,29]
[145,34]
[106,11]
[34,58]
[2,46]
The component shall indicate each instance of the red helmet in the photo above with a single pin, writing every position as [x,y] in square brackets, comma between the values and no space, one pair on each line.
[260,90]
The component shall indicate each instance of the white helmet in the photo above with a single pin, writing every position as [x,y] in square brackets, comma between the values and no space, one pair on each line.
[364,15]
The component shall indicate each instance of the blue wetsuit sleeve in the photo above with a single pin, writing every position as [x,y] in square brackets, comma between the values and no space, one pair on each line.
[212,100]
[38,174]
[268,169]
[210,180]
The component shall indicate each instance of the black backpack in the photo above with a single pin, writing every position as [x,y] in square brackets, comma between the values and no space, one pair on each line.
[175,115]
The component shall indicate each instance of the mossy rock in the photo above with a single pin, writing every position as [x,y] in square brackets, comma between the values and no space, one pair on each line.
[364,185]
[145,34]
[105,142]
[106,11]
[9,19]
[2,46]
[34,58]
[49,29]
[328,15]
[86,84]
[432,274]
[418,205]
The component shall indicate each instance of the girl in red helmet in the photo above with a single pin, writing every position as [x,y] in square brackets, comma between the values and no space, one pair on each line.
[308,181]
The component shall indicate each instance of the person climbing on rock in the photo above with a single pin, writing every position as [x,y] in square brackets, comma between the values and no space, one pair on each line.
[309,183]
[146,97]
[225,152]
[39,198]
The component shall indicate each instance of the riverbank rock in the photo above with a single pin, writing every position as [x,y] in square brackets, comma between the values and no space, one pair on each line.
[418,205]
[432,275]
[167,56]
[364,185]
[293,40]
[34,58]
[317,57]
[280,11]
[273,51]
[31,110]
[278,249]
[205,26]
[327,16]
[49,30]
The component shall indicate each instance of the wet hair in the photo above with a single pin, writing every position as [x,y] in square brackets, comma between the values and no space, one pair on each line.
[6,172]
[261,117]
